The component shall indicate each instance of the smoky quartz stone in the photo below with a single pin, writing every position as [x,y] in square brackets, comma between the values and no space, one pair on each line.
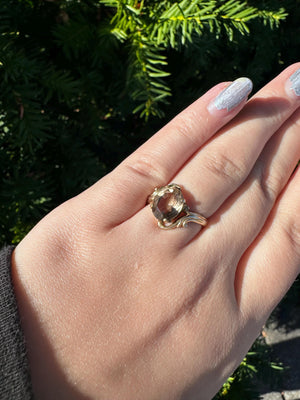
[167,203]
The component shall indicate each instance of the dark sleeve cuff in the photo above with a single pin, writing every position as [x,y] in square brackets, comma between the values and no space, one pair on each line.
[15,383]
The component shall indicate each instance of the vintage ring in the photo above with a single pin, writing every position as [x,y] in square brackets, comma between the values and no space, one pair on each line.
[170,209]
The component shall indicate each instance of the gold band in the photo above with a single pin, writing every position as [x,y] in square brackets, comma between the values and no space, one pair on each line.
[170,209]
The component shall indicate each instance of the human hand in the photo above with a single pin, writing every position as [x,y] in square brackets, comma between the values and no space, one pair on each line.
[113,307]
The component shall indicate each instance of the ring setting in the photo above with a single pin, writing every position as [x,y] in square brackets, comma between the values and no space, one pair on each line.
[170,209]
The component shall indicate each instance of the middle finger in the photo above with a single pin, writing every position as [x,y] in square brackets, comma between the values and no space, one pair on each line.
[223,164]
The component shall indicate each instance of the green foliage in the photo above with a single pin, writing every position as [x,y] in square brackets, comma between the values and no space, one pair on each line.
[84,82]
[256,368]
[78,80]
[154,27]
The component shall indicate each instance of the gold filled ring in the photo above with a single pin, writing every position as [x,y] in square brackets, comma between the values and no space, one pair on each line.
[170,209]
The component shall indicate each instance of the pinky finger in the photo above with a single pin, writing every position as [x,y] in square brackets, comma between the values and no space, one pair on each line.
[272,263]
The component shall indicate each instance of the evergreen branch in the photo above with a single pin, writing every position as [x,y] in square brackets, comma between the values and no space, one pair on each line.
[25,125]
[177,23]
[15,65]
[73,37]
[60,84]
[127,14]
[145,75]
[33,129]
[273,18]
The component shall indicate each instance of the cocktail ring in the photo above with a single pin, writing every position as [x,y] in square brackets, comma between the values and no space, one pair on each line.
[170,209]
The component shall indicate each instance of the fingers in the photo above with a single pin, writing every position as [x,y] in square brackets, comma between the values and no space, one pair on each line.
[212,174]
[240,219]
[273,262]
[224,163]
[159,159]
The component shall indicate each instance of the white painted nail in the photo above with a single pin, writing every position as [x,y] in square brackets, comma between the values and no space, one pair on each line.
[233,95]
[295,81]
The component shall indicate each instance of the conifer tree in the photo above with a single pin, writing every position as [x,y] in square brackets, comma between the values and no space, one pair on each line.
[84,82]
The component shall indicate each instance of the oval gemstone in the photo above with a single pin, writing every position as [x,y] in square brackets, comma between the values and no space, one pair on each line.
[169,205]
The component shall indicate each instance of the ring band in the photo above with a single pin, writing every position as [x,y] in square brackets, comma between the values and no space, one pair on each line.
[170,209]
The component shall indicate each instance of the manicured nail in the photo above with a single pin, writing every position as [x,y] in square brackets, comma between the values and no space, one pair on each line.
[232,96]
[295,81]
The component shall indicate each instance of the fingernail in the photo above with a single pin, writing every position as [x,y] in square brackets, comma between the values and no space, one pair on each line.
[295,81]
[233,95]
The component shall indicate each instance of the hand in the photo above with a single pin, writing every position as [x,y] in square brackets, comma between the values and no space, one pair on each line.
[113,307]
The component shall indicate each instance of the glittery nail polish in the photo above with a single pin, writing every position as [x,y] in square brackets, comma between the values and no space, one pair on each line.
[233,95]
[295,82]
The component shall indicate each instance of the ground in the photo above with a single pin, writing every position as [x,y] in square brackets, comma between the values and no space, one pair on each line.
[283,335]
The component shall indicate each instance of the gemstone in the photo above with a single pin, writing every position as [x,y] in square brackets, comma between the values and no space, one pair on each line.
[168,203]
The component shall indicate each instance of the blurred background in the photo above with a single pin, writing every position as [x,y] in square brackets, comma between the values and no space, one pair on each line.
[83,83]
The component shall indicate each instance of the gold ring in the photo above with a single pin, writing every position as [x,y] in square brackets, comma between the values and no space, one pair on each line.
[170,209]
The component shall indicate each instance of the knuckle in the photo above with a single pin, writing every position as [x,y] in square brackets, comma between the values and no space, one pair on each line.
[184,126]
[64,231]
[270,185]
[224,168]
[145,167]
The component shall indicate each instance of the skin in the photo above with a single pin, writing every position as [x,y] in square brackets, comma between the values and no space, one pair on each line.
[113,307]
